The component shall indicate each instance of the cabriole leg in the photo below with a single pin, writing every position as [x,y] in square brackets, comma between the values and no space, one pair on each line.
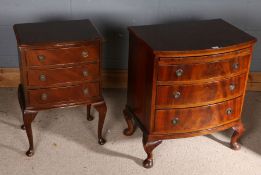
[238,132]
[21,101]
[131,126]
[28,118]
[102,109]
[149,146]
[89,116]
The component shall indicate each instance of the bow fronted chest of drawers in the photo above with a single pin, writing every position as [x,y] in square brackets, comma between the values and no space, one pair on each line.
[186,79]
[60,66]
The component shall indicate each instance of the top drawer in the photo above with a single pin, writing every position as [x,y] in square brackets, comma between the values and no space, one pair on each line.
[41,57]
[190,72]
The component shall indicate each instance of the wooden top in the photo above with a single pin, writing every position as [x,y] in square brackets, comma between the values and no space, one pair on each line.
[55,32]
[191,36]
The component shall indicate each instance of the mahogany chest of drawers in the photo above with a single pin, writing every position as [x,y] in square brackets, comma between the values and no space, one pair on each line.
[186,79]
[60,66]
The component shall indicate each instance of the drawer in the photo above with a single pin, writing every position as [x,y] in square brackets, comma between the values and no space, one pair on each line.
[48,77]
[38,57]
[198,118]
[190,72]
[200,94]
[75,93]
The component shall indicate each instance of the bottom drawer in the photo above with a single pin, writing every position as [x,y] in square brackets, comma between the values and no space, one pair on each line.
[198,118]
[75,93]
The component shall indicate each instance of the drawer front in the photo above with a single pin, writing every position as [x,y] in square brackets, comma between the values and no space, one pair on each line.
[200,94]
[198,118]
[63,56]
[190,72]
[76,93]
[47,77]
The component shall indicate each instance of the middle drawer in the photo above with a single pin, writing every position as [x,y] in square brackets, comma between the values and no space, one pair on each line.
[199,94]
[48,77]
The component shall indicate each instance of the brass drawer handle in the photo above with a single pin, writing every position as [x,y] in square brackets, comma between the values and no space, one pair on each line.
[44,96]
[85,91]
[85,54]
[179,72]
[229,111]
[41,58]
[175,121]
[232,87]
[42,77]
[176,95]
[85,73]
[235,65]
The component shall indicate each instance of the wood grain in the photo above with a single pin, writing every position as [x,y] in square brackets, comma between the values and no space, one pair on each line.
[61,76]
[114,78]
[204,58]
[56,70]
[61,56]
[198,118]
[194,66]
[181,96]
[10,77]
[140,80]
[63,94]
[199,71]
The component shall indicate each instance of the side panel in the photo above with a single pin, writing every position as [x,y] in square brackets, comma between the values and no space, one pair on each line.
[140,80]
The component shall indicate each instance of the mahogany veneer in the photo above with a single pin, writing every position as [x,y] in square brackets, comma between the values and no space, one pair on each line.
[186,79]
[60,66]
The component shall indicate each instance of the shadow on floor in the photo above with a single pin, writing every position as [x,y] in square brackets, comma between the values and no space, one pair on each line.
[252,121]
[116,99]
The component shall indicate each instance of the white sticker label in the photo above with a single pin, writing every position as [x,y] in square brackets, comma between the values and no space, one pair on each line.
[215,47]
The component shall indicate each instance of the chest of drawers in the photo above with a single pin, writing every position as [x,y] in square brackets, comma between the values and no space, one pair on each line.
[60,66]
[186,79]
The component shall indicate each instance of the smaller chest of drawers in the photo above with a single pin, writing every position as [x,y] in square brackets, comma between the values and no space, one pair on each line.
[60,66]
[186,79]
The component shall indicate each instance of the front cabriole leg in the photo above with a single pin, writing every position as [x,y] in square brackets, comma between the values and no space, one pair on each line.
[102,109]
[149,146]
[238,132]
[28,117]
